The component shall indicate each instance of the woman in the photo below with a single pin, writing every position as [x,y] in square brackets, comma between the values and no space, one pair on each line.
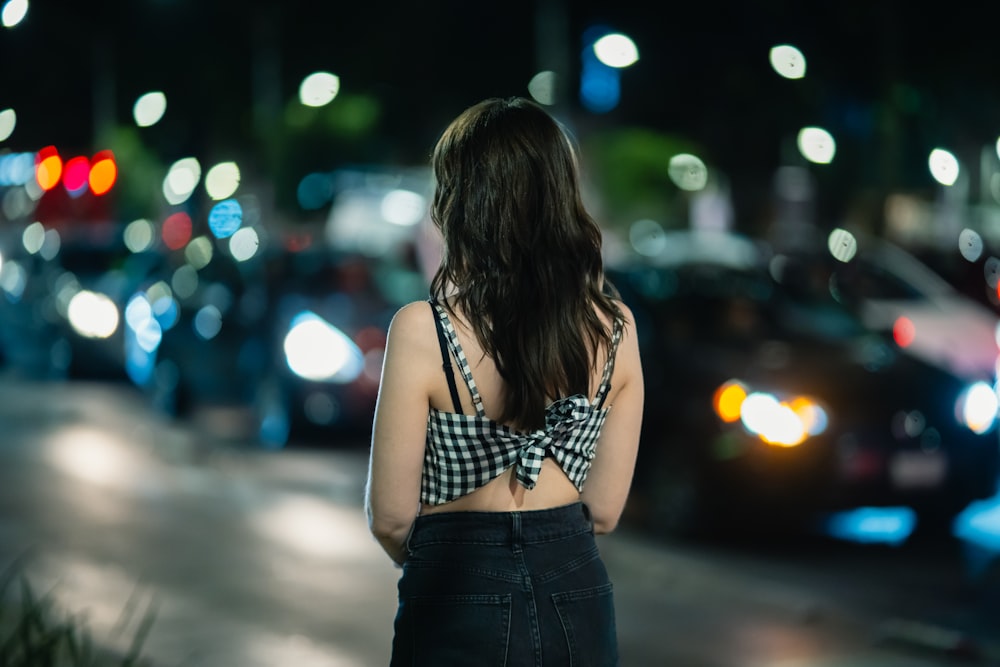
[509,410]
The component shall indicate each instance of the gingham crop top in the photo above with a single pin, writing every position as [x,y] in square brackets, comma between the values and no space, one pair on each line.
[464,452]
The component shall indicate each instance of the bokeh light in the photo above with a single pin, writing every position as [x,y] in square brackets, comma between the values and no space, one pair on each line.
[225,218]
[208,322]
[600,83]
[542,87]
[13,12]
[8,121]
[688,172]
[944,166]
[76,175]
[319,89]
[13,280]
[17,168]
[647,237]
[149,108]
[842,245]
[103,172]
[139,235]
[48,168]
[315,191]
[92,314]
[903,331]
[33,237]
[788,61]
[199,252]
[244,244]
[403,207]
[222,180]
[970,244]
[816,145]
[181,180]
[139,318]
[185,281]
[728,399]
[616,50]
[176,231]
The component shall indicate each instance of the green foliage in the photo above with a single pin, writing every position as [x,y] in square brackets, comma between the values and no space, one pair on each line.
[629,167]
[140,173]
[34,632]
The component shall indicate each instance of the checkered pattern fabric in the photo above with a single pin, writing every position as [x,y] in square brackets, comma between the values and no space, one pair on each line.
[464,452]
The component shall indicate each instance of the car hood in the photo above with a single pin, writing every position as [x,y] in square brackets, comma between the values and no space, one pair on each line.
[955,336]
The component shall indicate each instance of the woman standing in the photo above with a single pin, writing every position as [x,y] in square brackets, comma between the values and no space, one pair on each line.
[509,411]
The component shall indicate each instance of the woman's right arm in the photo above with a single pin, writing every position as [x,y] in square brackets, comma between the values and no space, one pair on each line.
[610,477]
[400,428]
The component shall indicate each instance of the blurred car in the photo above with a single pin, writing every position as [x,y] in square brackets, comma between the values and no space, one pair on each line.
[330,317]
[770,403]
[292,340]
[64,294]
[892,291]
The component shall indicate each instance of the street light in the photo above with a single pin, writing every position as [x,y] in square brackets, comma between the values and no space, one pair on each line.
[605,52]
[13,12]
[943,166]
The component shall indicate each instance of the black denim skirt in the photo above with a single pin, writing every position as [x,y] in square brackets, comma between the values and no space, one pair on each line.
[505,589]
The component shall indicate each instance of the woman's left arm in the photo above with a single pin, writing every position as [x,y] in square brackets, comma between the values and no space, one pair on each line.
[392,498]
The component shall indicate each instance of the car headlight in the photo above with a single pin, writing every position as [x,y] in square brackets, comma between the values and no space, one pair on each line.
[784,422]
[317,350]
[92,314]
[977,407]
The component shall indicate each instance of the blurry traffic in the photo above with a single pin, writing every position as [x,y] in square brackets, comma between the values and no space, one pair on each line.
[786,381]
[802,358]
[771,402]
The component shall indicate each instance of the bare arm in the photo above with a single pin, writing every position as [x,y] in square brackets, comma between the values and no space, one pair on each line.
[610,477]
[392,498]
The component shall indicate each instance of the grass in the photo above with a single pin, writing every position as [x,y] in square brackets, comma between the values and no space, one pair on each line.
[36,632]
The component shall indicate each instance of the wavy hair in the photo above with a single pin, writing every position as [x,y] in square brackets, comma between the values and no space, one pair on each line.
[522,256]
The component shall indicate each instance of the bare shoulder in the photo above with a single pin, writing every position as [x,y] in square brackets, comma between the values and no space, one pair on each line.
[412,326]
[626,313]
[413,313]
[628,328]
[628,349]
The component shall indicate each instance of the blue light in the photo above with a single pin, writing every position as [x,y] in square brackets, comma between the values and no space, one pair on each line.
[315,191]
[225,218]
[139,363]
[888,525]
[17,168]
[979,523]
[600,85]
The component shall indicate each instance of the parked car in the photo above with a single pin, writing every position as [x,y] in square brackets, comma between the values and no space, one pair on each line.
[64,292]
[769,403]
[291,341]
[330,317]
[892,291]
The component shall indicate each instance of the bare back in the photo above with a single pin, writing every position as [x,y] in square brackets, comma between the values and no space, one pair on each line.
[503,493]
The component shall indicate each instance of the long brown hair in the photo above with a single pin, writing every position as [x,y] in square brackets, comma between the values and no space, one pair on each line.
[522,255]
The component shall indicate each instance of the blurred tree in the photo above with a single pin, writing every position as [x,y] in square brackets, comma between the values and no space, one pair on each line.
[629,168]
[138,190]
[305,140]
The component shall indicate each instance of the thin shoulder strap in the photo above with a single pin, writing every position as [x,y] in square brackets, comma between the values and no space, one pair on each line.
[445,359]
[444,322]
[609,365]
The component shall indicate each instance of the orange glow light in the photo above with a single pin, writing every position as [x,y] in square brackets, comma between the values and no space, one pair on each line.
[48,168]
[903,332]
[728,399]
[103,173]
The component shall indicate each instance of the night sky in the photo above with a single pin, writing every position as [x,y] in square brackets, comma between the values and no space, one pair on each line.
[890,81]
